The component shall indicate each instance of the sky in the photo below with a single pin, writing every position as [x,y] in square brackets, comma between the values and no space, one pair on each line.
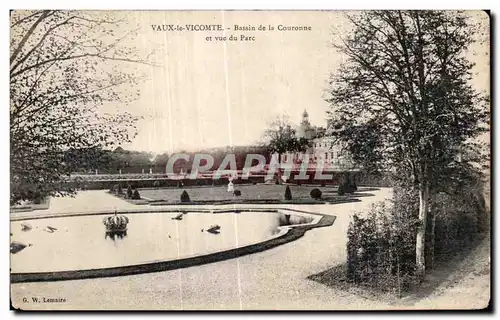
[216,93]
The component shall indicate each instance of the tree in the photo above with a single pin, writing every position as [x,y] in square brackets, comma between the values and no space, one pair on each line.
[65,65]
[288,193]
[403,99]
[86,159]
[161,160]
[281,138]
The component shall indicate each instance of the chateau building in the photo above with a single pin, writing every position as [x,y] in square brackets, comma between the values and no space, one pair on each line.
[323,150]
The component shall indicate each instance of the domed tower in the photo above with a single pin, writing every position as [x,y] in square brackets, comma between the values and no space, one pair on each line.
[305,119]
[305,129]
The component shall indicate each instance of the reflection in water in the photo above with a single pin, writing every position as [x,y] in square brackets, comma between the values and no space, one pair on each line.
[288,219]
[113,235]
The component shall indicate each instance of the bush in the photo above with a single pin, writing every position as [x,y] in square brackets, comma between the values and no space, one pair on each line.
[129,192]
[237,192]
[457,221]
[348,185]
[119,189]
[354,185]
[341,190]
[185,197]
[136,195]
[37,197]
[315,193]
[381,247]
[288,193]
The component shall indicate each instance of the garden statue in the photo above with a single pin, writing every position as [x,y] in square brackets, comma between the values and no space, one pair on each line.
[230,186]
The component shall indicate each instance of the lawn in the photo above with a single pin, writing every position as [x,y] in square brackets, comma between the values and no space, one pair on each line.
[248,192]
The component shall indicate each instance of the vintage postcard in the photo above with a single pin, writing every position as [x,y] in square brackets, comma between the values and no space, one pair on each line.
[249,160]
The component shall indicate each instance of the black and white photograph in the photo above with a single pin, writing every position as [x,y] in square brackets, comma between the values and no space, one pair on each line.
[246,160]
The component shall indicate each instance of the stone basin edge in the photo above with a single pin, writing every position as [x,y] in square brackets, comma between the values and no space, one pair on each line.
[287,234]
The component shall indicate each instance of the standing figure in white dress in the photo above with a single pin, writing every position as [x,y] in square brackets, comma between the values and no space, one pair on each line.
[230,187]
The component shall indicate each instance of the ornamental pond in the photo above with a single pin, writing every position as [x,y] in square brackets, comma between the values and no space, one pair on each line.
[81,242]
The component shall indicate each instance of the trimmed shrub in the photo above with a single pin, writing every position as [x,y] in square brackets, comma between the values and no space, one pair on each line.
[348,185]
[288,193]
[237,192]
[315,193]
[130,193]
[37,197]
[185,197]
[136,195]
[341,190]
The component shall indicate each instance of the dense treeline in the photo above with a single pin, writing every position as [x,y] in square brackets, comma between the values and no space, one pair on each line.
[128,161]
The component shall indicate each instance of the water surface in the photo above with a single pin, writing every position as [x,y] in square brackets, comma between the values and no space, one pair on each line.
[75,243]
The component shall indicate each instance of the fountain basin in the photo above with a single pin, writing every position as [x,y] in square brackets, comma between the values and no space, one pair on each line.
[80,247]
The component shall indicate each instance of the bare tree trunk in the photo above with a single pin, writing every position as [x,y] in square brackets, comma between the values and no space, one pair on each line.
[422,217]
[433,239]
[432,212]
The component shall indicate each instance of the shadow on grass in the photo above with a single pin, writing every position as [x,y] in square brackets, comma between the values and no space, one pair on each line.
[336,278]
[447,272]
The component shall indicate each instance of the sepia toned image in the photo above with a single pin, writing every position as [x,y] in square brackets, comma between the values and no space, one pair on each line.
[250,160]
